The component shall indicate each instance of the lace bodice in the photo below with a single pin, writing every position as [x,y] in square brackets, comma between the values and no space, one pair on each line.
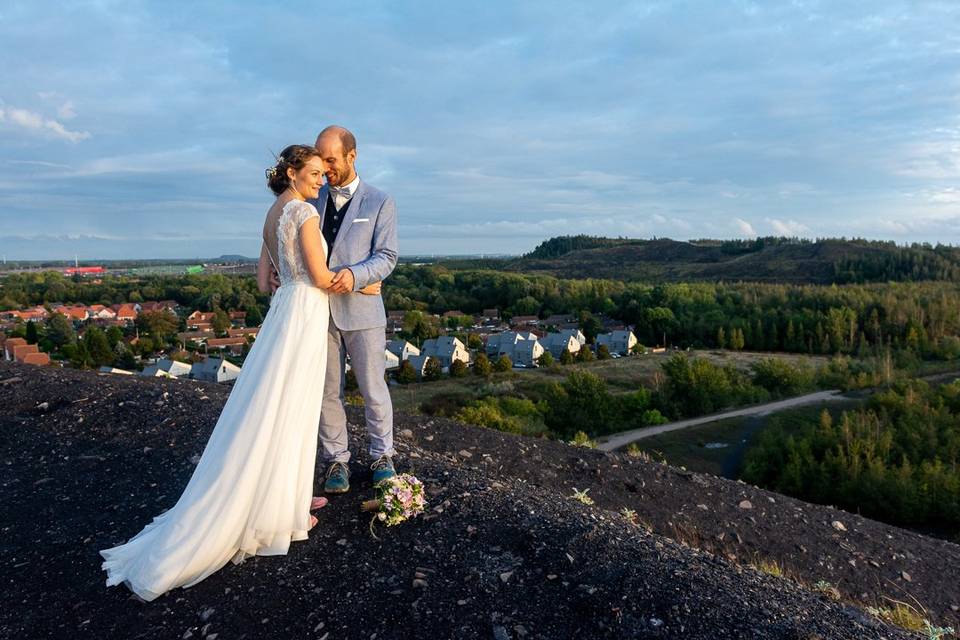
[291,267]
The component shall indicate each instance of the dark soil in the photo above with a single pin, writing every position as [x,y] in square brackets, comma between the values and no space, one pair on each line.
[89,459]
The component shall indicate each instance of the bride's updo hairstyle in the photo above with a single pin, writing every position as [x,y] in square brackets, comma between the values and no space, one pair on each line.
[293,157]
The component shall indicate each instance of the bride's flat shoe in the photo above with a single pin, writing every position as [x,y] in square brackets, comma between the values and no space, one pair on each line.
[313,522]
[318,502]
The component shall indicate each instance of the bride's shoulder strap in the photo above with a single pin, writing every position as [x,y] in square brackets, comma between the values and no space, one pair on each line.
[304,212]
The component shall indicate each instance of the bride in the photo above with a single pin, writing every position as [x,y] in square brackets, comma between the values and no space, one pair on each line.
[250,494]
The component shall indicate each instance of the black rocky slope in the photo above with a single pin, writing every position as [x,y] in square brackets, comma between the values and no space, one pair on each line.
[503,553]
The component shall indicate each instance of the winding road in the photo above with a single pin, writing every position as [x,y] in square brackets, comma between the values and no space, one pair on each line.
[617,440]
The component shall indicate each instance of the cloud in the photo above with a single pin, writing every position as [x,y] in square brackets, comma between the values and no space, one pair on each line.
[788,227]
[746,229]
[66,111]
[35,122]
[478,159]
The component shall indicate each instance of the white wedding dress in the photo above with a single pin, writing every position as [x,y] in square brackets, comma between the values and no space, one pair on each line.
[250,493]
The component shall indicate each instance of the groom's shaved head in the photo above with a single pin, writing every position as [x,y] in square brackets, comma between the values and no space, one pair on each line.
[346,138]
[338,150]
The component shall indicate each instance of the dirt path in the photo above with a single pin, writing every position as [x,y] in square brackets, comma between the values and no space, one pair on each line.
[618,440]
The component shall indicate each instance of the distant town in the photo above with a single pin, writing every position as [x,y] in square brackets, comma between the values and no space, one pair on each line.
[164,338]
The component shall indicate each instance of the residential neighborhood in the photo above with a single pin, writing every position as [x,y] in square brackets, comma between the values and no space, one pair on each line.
[211,345]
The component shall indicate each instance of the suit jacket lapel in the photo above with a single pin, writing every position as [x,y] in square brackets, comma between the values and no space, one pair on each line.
[356,203]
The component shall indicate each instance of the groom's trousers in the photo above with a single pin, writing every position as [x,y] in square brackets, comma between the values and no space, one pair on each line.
[366,350]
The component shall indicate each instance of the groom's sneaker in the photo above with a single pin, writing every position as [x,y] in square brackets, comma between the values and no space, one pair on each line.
[338,478]
[383,469]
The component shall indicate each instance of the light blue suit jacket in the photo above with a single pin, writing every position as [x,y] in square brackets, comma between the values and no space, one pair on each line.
[367,244]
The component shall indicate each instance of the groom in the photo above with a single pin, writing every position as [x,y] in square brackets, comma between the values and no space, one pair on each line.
[359,223]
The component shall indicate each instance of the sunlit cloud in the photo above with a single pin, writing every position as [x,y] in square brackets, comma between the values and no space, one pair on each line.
[745,228]
[36,123]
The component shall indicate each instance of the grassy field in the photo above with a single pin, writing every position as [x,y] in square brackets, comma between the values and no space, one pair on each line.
[697,448]
[621,374]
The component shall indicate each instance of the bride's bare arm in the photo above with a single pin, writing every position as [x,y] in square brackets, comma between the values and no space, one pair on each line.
[264,266]
[314,258]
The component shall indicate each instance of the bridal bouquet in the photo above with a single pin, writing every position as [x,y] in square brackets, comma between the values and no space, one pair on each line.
[398,499]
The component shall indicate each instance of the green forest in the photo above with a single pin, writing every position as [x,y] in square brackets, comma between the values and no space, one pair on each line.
[767,259]
[923,318]
[897,459]
[919,320]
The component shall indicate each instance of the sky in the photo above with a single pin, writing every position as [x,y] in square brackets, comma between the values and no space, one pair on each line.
[134,129]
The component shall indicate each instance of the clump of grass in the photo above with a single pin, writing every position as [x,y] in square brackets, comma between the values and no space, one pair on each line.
[581,496]
[900,614]
[581,439]
[629,515]
[825,588]
[634,451]
[770,567]
[909,617]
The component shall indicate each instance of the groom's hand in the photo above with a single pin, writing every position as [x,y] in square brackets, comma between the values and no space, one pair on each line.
[274,280]
[342,282]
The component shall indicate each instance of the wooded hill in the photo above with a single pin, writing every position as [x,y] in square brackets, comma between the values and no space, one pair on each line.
[769,259]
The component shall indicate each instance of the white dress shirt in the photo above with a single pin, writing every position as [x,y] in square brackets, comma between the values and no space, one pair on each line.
[339,199]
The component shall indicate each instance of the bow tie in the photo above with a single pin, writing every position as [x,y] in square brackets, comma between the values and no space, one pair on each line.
[343,192]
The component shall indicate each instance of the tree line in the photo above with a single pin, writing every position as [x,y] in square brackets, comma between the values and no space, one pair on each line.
[923,318]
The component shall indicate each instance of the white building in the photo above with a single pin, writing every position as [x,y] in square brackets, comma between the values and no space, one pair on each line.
[419,363]
[391,360]
[446,349]
[167,368]
[569,339]
[526,352]
[402,349]
[214,370]
[503,343]
[123,372]
[617,341]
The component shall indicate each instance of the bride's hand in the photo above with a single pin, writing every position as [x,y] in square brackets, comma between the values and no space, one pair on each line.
[372,289]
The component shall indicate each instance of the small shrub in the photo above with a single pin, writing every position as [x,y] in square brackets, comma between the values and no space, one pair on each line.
[458,369]
[581,439]
[482,366]
[432,370]
[825,588]
[634,451]
[581,496]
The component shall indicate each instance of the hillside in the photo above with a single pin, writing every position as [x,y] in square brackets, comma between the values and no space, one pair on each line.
[763,260]
[503,551]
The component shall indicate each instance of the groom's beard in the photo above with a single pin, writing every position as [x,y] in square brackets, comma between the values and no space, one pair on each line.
[342,178]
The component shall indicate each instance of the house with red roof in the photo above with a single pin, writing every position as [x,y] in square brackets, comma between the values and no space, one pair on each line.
[100,312]
[77,313]
[235,345]
[126,313]
[38,358]
[9,345]
[244,332]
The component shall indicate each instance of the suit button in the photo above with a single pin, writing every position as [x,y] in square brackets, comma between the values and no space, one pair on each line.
[334,229]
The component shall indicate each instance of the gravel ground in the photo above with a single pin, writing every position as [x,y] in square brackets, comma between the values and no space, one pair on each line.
[503,552]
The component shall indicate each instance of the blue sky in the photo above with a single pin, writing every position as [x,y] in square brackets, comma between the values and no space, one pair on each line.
[142,129]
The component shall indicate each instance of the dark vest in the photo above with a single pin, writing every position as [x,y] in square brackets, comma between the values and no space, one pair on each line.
[332,219]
